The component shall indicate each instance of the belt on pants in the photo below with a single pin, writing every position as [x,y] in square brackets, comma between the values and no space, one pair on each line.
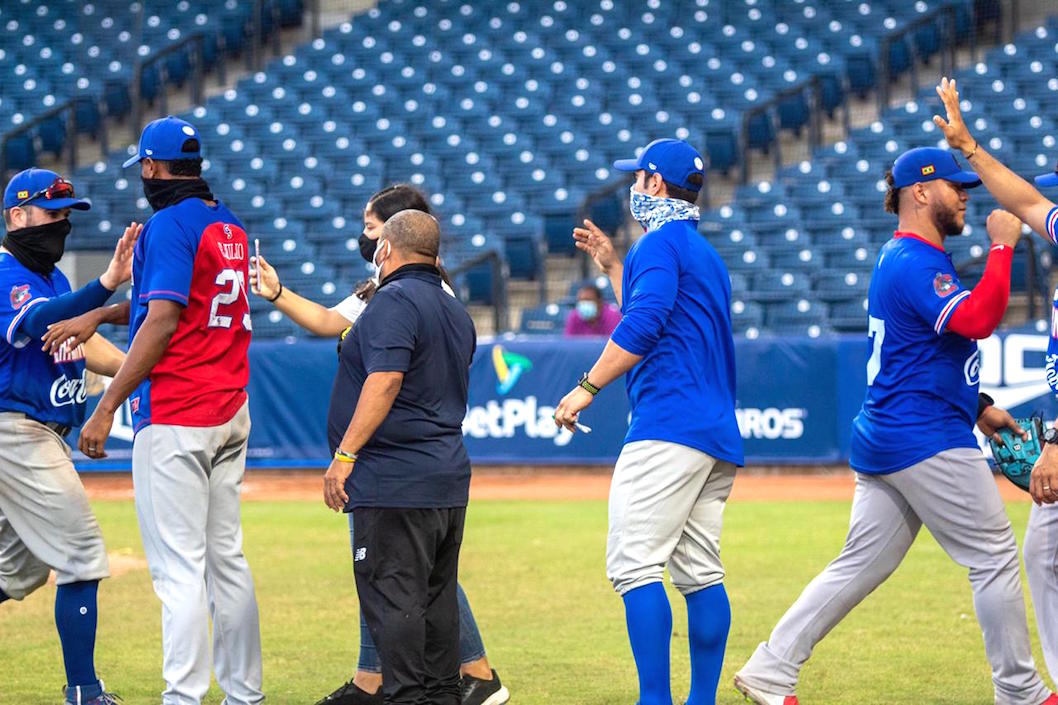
[59,428]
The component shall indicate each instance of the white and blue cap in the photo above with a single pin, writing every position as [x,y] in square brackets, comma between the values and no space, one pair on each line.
[167,139]
[675,160]
[1049,179]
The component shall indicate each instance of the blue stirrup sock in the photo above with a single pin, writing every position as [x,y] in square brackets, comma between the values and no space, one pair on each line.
[4,596]
[649,618]
[708,622]
[76,619]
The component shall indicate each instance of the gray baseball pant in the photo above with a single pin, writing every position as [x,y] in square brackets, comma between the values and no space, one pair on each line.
[187,483]
[45,520]
[955,496]
[1041,567]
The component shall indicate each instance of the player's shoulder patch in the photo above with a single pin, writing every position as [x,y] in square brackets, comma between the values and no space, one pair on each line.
[944,284]
[19,295]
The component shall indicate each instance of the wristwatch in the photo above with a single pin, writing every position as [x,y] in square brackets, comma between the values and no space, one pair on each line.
[1050,435]
[586,385]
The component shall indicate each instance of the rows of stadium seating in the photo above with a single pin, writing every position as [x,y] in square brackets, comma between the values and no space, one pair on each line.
[509,114]
[57,50]
[801,248]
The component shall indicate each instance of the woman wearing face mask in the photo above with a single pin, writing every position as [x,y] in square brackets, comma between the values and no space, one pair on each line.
[592,316]
[316,318]
[481,685]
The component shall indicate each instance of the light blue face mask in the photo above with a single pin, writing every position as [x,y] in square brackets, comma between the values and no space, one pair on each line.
[587,310]
[652,212]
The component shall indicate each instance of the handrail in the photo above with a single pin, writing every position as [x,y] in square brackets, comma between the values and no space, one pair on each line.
[1035,283]
[814,85]
[69,106]
[197,67]
[499,284]
[947,52]
[584,211]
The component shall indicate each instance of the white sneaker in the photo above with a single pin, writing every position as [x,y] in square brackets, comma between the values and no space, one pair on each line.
[760,697]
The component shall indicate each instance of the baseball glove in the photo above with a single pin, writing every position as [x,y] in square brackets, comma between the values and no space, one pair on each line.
[1015,457]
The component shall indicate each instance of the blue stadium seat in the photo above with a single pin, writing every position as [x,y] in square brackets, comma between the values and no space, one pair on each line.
[548,319]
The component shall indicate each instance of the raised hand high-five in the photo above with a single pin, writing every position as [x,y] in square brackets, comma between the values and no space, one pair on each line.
[954,128]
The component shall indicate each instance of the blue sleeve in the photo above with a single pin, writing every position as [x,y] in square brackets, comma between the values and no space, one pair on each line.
[25,294]
[1052,347]
[36,321]
[168,259]
[653,275]
[387,333]
[932,290]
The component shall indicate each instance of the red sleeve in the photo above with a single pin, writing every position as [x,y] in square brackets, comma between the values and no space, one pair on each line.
[978,316]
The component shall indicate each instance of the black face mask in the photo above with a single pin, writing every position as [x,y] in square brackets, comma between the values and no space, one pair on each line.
[38,247]
[162,193]
[367,248]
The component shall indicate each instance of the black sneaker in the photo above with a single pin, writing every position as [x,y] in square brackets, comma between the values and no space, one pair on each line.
[477,691]
[351,694]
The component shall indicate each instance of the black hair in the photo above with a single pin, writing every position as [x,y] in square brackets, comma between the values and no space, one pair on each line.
[892,195]
[186,167]
[384,205]
[686,194]
[396,198]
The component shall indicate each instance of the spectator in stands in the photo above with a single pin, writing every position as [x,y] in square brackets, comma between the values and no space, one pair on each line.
[480,684]
[592,315]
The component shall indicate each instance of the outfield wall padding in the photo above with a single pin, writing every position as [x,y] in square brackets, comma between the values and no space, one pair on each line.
[796,399]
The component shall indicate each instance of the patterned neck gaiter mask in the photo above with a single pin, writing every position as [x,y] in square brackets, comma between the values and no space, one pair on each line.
[652,212]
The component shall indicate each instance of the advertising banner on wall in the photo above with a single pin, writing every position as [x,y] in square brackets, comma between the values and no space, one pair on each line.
[796,398]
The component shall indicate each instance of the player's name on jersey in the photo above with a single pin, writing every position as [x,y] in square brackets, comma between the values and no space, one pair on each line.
[232,250]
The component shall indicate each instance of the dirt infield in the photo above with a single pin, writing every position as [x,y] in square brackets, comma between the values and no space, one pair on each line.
[573,483]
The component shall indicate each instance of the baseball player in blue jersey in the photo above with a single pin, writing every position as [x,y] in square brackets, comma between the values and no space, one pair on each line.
[45,520]
[676,468]
[1041,214]
[913,449]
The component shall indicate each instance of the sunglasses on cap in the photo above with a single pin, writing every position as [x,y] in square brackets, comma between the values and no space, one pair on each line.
[60,188]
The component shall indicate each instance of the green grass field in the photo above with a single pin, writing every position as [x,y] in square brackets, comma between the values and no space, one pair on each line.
[553,627]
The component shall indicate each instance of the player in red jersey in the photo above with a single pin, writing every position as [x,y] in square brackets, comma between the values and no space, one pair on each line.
[185,376]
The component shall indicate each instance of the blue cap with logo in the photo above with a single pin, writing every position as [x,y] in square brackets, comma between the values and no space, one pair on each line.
[1049,179]
[44,189]
[930,163]
[675,160]
[164,139]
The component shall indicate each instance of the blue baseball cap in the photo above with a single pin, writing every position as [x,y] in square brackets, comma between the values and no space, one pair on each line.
[1049,179]
[164,139]
[930,163]
[43,189]
[675,160]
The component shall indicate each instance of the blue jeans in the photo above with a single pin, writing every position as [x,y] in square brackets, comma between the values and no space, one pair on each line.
[471,647]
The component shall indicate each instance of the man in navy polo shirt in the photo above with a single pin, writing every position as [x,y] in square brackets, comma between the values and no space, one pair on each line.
[395,424]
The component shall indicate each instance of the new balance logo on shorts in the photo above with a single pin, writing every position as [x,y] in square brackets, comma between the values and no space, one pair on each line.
[361,554]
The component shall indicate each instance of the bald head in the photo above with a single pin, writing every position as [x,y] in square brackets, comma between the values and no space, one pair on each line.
[413,234]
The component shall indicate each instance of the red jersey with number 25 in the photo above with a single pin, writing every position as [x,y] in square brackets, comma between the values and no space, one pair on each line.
[196,255]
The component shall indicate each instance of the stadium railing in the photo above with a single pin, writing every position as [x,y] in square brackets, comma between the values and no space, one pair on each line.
[158,57]
[946,16]
[1035,276]
[813,87]
[31,129]
[499,305]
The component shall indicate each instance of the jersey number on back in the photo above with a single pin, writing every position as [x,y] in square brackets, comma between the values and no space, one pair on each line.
[876,332]
[234,284]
